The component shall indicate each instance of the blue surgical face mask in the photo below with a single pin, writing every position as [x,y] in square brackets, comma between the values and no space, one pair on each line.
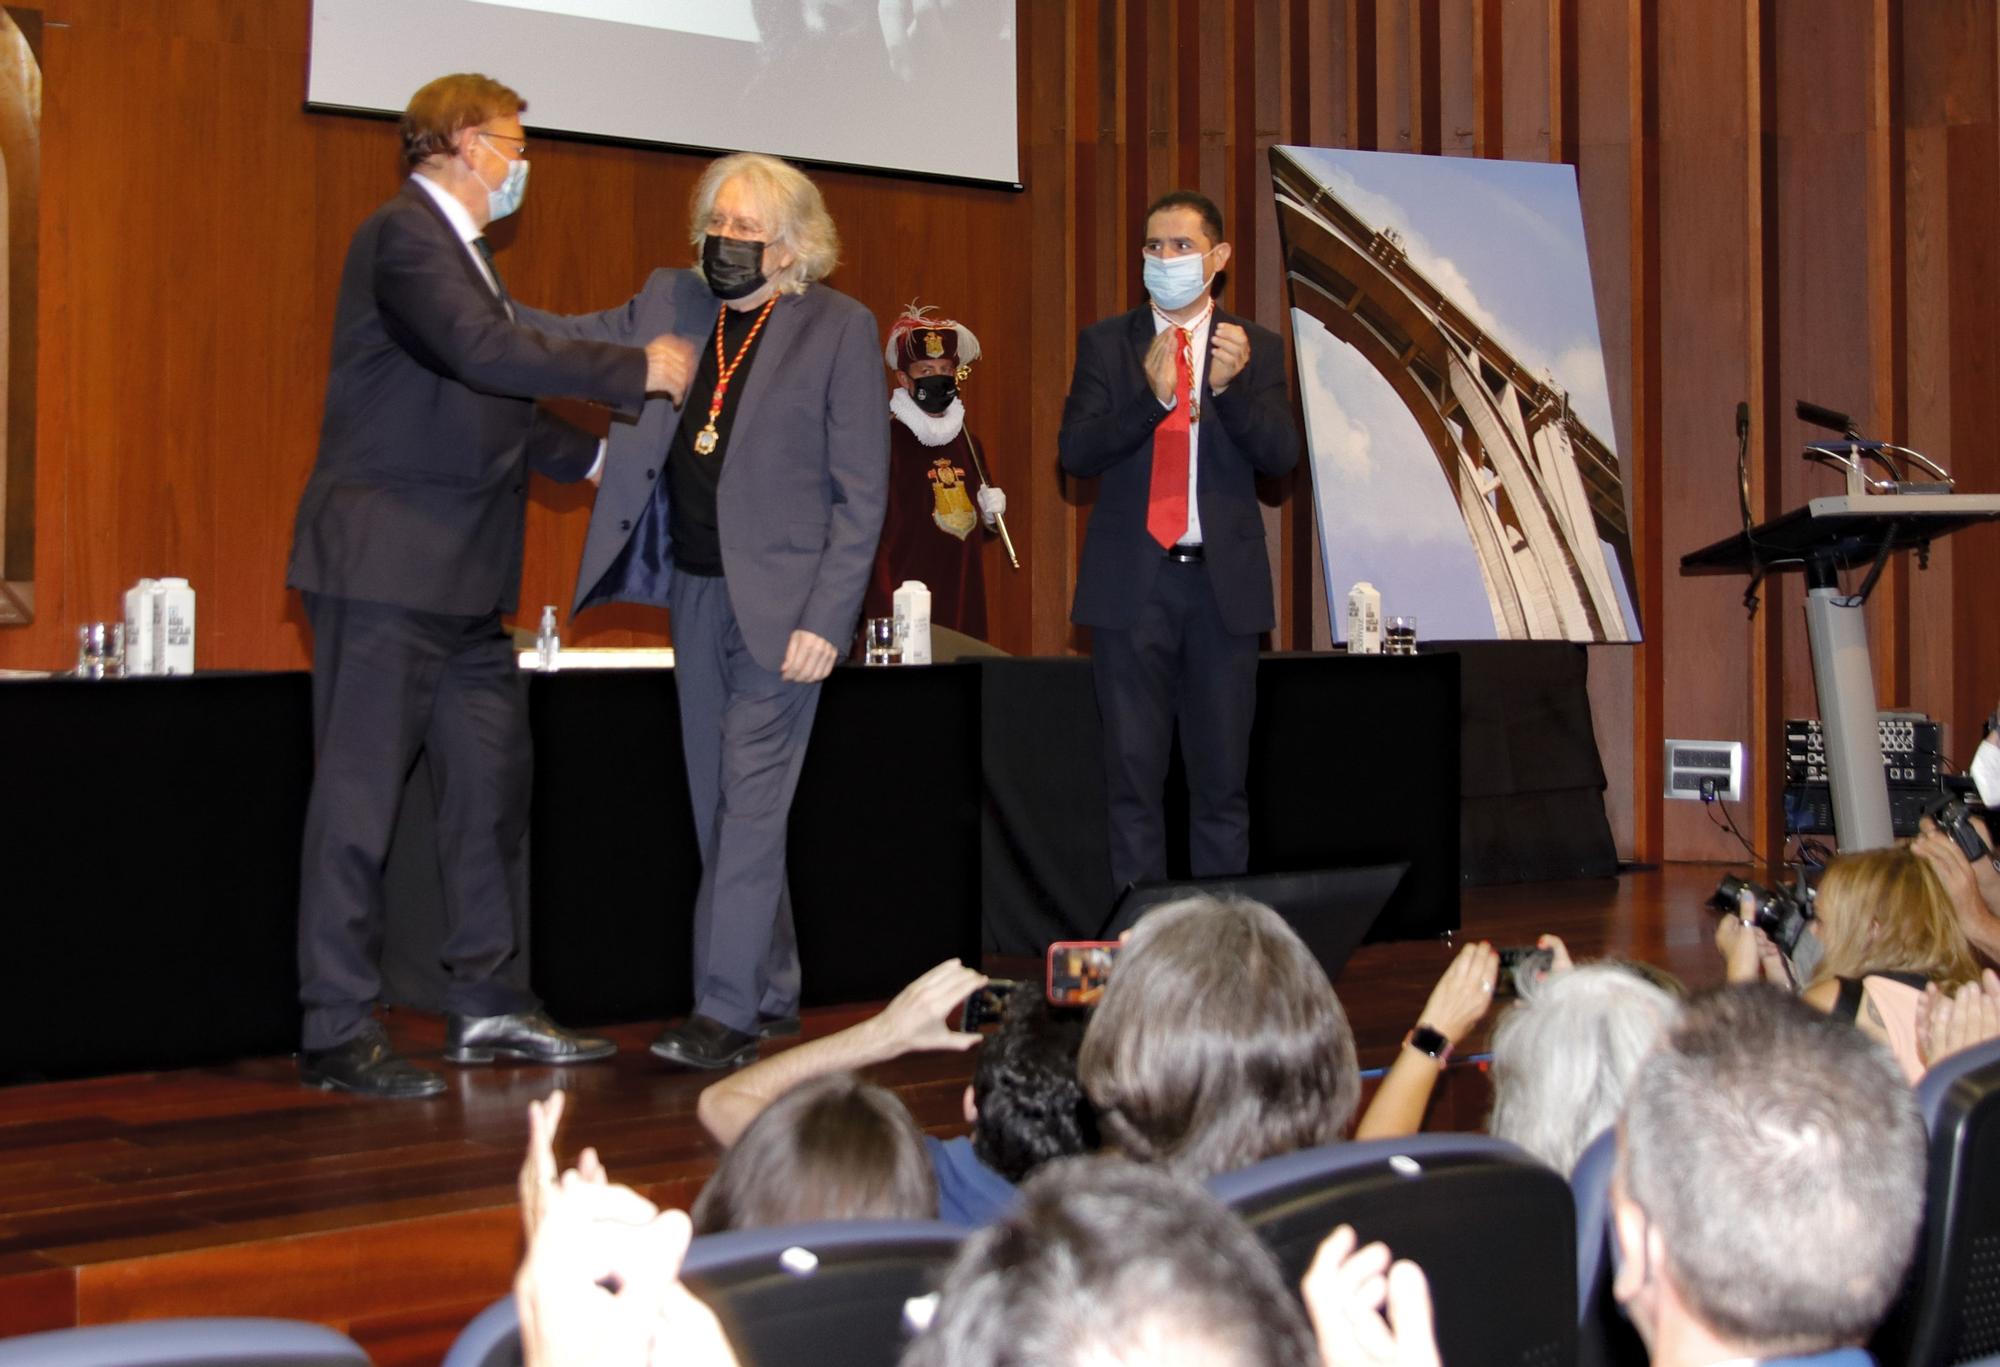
[1176,281]
[512,190]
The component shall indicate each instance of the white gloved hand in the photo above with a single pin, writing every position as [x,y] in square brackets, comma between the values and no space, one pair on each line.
[992,503]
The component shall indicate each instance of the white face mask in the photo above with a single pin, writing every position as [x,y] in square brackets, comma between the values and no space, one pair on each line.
[1986,773]
[1176,281]
[513,188]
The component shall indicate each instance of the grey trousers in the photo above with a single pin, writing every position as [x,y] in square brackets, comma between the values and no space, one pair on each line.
[744,731]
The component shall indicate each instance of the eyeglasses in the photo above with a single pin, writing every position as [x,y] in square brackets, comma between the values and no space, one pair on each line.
[743,229]
[519,145]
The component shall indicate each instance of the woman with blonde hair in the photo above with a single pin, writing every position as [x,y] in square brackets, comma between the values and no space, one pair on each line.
[1886,929]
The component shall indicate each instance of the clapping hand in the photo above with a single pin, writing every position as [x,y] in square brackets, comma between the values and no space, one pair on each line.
[601,1285]
[1366,1312]
[1950,1021]
[1228,353]
[1162,370]
[538,1169]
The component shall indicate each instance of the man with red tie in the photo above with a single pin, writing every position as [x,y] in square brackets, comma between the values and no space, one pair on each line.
[1179,408]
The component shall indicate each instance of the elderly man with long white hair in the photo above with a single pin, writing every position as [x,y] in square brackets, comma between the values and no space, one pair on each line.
[750,511]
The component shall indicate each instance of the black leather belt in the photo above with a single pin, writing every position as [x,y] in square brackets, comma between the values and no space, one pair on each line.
[1189,554]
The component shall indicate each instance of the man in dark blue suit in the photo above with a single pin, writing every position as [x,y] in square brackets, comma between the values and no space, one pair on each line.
[1178,407]
[407,550]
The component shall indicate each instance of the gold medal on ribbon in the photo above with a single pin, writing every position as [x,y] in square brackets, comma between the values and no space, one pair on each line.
[706,440]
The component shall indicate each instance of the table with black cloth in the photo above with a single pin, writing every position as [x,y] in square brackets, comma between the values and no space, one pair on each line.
[149,832]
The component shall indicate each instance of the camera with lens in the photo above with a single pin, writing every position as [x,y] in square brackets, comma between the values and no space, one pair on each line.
[1781,913]
[1952,816]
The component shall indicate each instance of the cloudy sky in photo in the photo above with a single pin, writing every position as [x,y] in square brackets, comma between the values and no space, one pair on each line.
[1505,241]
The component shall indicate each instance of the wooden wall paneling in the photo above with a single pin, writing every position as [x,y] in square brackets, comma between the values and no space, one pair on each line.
[1605,181]
[1972,151]
[1949,91]
[1823,213]
[1364,101]
[1643,65]
[1704,341]
[1395,112]
[1926,261]
[1565,58]
[1425,59]
[1459,77]
[1058,120]
[1888,397]
[1527,46]
[1261,106]
[1768,259]
[1489,64]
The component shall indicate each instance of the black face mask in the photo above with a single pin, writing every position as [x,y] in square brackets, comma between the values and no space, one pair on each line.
[733,268]
[934,393]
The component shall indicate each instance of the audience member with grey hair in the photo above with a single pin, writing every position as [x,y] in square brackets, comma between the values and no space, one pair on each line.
[1770,1185]
[1564,1056]
[1218,1043]
[1107,1261]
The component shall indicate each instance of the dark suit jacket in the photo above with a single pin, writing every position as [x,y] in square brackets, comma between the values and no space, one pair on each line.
[1107,430]
[419,494]
[805,478]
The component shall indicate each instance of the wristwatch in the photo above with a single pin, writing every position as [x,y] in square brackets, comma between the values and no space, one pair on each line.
[1427,1040]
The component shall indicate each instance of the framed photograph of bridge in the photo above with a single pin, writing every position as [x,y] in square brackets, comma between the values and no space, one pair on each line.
[1458,419]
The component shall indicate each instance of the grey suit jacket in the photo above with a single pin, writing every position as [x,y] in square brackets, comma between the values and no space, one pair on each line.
[805,478]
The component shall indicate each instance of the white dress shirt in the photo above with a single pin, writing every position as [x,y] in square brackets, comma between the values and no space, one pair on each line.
[468,231]
[1192,537]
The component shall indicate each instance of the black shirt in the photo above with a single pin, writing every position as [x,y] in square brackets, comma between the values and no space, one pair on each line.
[692,478]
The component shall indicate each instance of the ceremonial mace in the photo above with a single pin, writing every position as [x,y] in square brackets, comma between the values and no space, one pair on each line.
[978,469]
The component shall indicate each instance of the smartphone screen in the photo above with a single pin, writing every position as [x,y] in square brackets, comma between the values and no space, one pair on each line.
[1078,971]
[987,1005]
[1518,962]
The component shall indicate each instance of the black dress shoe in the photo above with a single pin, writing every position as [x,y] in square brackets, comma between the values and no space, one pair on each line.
[527,1035]
[778,1027]
[704,1042]
[367,1066]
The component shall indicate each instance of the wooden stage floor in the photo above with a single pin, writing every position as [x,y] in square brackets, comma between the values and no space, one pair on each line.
[233,1191]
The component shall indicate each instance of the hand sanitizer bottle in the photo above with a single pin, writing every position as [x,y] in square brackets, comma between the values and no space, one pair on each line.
[547,643]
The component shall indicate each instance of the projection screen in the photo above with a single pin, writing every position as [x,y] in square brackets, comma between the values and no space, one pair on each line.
[917,86]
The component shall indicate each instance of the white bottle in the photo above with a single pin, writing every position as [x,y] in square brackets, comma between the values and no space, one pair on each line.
[913,621]
[1364,620]
[548,644]
[142,645]
[173,625]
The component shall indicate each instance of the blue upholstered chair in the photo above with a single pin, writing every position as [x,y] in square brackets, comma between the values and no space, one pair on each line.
[1950,1310]
[829,1293]
[187,1343]
[1493,1229]
[1605,1338]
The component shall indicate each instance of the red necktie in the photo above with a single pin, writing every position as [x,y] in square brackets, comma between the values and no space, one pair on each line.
[1166,502]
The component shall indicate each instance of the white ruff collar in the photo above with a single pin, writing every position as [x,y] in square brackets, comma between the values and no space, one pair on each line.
[931,431]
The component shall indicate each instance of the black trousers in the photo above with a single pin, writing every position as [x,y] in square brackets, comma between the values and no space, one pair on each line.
[1176,665]
[388,684]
